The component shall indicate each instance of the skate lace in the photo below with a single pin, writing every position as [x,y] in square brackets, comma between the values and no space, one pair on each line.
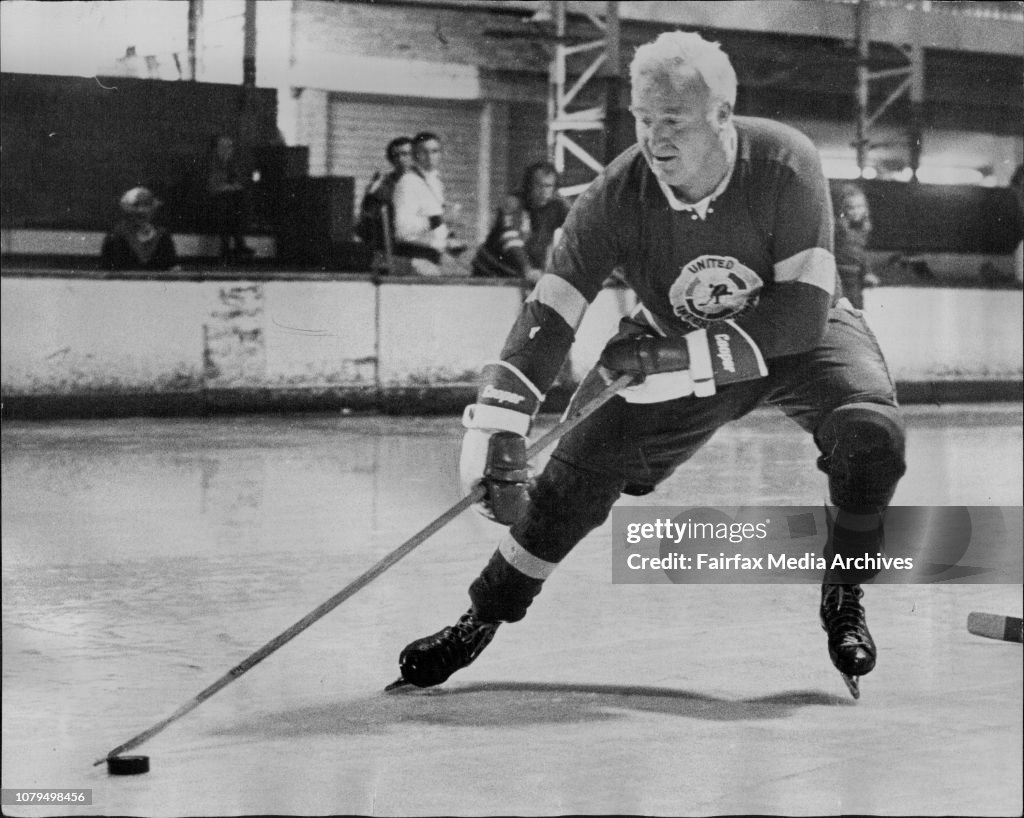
[844,615]
[466,638]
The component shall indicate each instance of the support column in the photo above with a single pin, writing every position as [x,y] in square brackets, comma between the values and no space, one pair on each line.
[911,78]
[249,51]
[195,17]
[565,122]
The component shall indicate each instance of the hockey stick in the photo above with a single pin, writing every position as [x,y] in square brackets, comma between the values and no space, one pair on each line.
[994,626]
[367,577]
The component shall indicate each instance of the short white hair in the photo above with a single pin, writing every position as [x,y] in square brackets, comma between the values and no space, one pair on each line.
[139,200]
[675,50]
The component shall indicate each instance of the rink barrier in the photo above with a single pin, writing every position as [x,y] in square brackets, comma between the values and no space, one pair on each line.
[90,344]
[87,244]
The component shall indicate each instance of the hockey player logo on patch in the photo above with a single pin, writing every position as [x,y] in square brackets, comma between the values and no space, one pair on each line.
[714,288]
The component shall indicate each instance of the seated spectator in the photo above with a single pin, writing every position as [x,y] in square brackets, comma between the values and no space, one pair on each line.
[421,231]
[226,198]
[852,230]
[376,211]
[526,228]
[135,243]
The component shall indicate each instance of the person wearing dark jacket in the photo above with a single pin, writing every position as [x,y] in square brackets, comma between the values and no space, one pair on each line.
[723,228]
[135,243]
[853,229]
[525,229]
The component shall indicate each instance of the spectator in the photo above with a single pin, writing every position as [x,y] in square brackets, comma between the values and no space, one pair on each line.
[526,228]
[226,198]
[135,243]
[421,231]
[853,228]
[378,200]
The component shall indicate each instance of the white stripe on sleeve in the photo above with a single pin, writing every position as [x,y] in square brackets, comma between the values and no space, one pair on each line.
[558,294]
[523,561]
[816,266]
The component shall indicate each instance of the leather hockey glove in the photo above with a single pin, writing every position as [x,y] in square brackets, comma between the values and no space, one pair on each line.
[494,446]
[717,356]
[643,355]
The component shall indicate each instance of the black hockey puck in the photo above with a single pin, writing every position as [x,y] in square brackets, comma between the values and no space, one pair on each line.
[128,765]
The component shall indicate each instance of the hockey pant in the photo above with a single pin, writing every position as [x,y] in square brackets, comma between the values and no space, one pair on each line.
[841,392]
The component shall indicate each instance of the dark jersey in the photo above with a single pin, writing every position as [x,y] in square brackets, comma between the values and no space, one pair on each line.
[520,238]
[760,256]
[123,250]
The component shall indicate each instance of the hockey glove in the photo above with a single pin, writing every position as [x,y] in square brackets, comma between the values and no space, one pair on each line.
[494,446]
[717,356]
[642,355]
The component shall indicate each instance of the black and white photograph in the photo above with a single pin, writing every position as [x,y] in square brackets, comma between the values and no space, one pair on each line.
[512,407]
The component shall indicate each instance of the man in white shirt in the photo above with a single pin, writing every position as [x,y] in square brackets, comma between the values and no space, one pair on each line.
[421,232]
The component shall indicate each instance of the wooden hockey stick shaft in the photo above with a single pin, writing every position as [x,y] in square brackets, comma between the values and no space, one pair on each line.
[367,577]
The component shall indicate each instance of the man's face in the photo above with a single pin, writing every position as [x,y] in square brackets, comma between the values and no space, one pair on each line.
[542,188]
[401,157]
[139,217]
[428,154]
[225,148]
[673,128]
[855,208]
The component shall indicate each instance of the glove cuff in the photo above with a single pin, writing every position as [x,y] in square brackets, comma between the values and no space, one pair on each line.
[735,357]
[484,416]
[701,369]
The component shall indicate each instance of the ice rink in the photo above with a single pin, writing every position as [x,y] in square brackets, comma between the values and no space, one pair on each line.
[142,559]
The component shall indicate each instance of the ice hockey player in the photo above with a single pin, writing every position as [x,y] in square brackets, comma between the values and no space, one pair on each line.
[722,225]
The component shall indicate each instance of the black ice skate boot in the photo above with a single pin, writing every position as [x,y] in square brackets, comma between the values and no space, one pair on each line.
[431,660]
[850,645]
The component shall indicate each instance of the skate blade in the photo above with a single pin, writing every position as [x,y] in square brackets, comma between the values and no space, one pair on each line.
[398,684]
[852,684]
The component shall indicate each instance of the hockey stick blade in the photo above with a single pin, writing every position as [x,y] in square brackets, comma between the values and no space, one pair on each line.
[994,626]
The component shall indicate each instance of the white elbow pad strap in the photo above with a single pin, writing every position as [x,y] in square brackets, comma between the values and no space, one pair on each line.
[506,400]
[701,370]
[723,354]
[482,416]
[503,385]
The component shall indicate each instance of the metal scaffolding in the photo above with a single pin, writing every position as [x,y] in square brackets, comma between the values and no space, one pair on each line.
[572,68]
[911,81]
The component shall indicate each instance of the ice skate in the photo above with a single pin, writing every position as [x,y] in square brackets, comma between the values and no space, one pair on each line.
[431,660]
[850,645]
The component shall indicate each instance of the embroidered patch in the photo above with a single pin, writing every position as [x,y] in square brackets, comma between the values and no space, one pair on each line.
[714,288]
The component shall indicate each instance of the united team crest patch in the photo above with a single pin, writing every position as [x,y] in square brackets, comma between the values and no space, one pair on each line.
[714,288]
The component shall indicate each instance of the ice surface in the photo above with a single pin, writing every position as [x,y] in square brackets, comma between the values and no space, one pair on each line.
[142,559]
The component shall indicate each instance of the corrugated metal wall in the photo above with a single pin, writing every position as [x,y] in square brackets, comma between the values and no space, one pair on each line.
[360,127]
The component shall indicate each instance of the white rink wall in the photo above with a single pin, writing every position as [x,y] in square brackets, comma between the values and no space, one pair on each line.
[66,336]
[939,333]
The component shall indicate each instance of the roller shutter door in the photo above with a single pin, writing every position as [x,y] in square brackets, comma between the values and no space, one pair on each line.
[359,128]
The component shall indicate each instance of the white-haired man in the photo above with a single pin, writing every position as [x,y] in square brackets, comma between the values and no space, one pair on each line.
[135,243]
[722,225]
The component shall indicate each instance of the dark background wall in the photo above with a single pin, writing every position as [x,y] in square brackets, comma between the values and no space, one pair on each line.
[918,218]
[73,145]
